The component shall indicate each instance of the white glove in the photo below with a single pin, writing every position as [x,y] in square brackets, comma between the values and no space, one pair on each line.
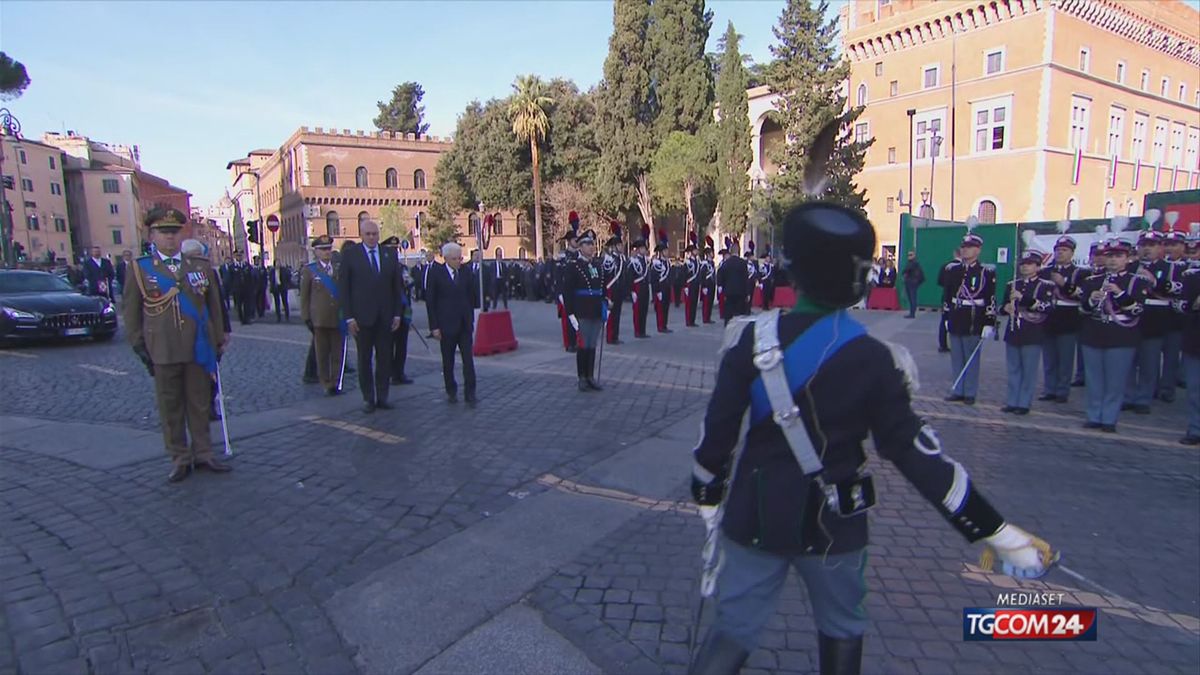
[704,291]
[659,297]
[1017,553]
[987,333]
[634,297]
[574,321]
[709,514]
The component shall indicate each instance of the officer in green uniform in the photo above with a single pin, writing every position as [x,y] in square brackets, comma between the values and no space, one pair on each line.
[320,310]
[172,310]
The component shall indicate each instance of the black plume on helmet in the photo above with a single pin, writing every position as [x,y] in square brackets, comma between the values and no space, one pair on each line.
[828,251]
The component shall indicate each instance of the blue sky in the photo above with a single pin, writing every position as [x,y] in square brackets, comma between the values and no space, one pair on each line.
[196,84]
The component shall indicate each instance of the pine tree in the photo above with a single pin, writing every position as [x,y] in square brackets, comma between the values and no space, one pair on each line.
[403,114]
[734,153]
[807,75]
[625,113]
[682,75]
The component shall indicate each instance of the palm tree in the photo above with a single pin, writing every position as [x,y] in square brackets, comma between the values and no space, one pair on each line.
[527,110]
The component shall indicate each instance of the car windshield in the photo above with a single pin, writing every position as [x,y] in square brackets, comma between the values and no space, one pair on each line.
[33,283]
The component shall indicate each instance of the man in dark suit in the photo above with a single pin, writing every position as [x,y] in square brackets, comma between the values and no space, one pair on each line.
[98,274]
[371,288]
[281,283]
[451,294]
[733,279]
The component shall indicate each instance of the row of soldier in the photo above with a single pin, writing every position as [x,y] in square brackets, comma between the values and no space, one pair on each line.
[1126,326]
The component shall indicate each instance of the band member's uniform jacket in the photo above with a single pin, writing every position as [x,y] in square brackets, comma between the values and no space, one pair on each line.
[560,268]
[639,270]
[691,289]
[172,313]
[708,289]
[660,287]
[1024,336]
[1188,309]
[1061,330]
[1110,336]
[320,308]
[1156,320]
[616,282]
[969,299]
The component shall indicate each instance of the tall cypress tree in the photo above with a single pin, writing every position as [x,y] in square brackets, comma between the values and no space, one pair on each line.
[683,82]
[734,153]
[807,75]
[625,113]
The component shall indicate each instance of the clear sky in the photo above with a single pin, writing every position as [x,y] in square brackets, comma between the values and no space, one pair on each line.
[196,84]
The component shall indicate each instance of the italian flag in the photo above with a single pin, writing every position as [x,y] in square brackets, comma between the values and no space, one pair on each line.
[1137,173]
[1112,171]
[1078,166]
[1157,174]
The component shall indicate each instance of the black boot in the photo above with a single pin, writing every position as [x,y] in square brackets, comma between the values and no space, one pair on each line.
[581,369]
[840,657]
[591,371]
[719,655]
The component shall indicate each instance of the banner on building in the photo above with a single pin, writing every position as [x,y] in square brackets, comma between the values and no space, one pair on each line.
[1078,166]
[1137,173]
[1157,175]
[1112,171]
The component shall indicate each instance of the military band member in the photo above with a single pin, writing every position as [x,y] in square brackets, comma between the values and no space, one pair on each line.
[1112,303]
[583,295]
[1027,302]
[733,281]
[1094,267]
[173,320]
[751,276]
[969,299]
[640,292]
[1152,325]
[1061,330]
[708,281]
[660,283]
[1188,305]
[796,494]
[691,285]
[321,312]
[1175,253]
[766,278]
[560,267]
[616,284]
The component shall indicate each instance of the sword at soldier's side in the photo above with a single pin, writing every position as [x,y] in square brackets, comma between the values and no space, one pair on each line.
[221,405]
[418,334]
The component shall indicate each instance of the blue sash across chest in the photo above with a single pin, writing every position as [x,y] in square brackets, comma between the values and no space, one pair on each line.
[204,352]
[331,286]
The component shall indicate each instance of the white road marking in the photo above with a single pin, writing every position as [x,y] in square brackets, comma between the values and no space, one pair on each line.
[19,355]
[102,369]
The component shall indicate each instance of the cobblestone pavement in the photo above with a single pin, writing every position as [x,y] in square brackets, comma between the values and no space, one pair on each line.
[115,571]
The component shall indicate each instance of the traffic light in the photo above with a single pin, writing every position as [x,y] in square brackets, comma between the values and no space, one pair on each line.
[252,231]
[19,249]
[8,182]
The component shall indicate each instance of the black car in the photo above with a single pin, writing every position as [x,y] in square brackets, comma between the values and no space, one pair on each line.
[42,305]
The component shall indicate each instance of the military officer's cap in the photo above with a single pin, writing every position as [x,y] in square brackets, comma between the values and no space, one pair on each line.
[570,236]
[1117,246]
[1031,257]
[1065,242]
[588,237]
[1149,238]
[1174,236]
[391,241]
[165,219]
[613,241]
[638,243]
[660,248]
[972,240]
[1096,247]
[323,241]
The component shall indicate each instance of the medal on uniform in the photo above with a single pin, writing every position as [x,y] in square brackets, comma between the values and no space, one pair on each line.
[199,281]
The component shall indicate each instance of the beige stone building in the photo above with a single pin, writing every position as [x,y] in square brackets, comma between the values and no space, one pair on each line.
[1023,109]
[102,193]
[327,181]
[38,197]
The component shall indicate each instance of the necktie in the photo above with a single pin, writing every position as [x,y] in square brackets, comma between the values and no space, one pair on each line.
[374,262]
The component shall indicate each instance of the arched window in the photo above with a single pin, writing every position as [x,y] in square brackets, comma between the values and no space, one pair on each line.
[862,94]
[333,226]
[360,177]
[498,224]
[522,225]
[987,211]
[1132,211]
[391,179]
[362,218]
[330,176]
[521,253]
[499,253]
[926,211]
[1072,209]
[1108,209]
[419,179]
[472,224]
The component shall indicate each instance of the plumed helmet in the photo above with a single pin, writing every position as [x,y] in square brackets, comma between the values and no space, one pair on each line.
[708,242]
[614,227]
[662,237]
[828,251]
[573,221]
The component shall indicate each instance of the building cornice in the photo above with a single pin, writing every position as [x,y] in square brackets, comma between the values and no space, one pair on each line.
[1105,14]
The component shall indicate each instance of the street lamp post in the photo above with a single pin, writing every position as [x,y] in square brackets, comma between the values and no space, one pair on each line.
[9,126]
[935,144]
[911,112]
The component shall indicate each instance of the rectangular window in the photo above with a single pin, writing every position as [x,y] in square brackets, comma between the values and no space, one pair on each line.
[928,135]
[30,205]
[113,209]
[994,62]
[26,185]
[1191,153]
[893,88]
[891,155]
[1116,130]
[60,224]
[1145,80]
[1085,59]
[32,221]
[878,68]
[21,156]
[1163,86]
[1182,92]
[116,237]
[1120,72]
[862,132]
[891,204]
[52,167]
[1137,148]
[1081,113]
[931,77]
[991,124]
[1159,150]
[111,186]
[55,189]
[1177,133]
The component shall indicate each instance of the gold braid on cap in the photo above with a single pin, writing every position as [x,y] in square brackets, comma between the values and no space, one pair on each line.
[156,307]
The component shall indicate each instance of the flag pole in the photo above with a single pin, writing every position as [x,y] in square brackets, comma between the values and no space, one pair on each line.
[953,110]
